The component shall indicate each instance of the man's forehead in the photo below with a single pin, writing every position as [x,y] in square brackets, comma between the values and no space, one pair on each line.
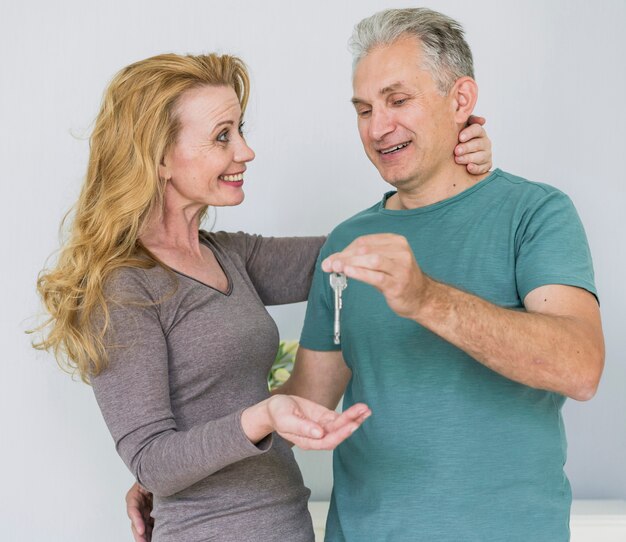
[388,68]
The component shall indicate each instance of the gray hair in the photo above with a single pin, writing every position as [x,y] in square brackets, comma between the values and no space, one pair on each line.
[447,55]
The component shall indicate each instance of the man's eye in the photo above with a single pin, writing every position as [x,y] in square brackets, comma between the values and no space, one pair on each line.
[399,102]
[223,137]
[364,113]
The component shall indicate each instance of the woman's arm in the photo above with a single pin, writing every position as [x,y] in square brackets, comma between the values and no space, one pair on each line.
[134,396]
[281,268]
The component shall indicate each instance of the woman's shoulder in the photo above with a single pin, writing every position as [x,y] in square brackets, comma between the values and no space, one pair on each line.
[136,283]
[247,244]
[238,244]
[227,239]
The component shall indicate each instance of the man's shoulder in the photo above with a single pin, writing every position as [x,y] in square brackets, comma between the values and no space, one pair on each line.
[522,196]
[511,183]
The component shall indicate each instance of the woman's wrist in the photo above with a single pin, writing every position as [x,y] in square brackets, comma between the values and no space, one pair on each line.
[256,421]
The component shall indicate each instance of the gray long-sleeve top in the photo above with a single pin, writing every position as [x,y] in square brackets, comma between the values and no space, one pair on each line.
[185,361]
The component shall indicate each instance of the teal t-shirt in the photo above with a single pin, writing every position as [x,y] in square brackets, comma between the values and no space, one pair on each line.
[453,451]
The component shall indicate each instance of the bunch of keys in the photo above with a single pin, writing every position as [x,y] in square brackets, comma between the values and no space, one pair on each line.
[338,283]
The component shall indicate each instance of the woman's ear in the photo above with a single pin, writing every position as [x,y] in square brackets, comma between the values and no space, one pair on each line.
[465,96]
[164,172]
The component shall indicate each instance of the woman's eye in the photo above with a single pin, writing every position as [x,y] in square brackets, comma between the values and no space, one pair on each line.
[241,130]
[223,137]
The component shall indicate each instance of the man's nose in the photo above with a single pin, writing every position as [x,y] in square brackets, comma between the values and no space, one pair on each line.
[381,124]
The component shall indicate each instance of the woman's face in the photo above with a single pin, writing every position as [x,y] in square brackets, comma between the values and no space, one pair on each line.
[205,165]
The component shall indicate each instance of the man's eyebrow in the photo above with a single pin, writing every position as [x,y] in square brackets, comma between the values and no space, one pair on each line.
[391,88]
[385,90]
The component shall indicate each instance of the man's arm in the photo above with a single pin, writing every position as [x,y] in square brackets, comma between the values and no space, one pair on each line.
[318,376]
[556,345]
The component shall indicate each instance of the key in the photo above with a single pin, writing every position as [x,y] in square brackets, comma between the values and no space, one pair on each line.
[338,283]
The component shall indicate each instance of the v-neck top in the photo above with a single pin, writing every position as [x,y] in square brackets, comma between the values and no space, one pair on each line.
[185,360]
[205,240]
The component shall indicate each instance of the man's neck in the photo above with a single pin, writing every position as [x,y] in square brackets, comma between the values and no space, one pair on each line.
[436,188]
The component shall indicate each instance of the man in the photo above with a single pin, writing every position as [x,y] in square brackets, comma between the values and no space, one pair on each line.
[469,316]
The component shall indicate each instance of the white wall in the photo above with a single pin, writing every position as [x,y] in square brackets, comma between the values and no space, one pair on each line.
[552,79]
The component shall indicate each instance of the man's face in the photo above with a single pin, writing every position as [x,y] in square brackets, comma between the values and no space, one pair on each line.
[407,127]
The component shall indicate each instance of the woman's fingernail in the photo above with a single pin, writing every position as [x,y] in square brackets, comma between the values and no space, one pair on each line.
[316,433]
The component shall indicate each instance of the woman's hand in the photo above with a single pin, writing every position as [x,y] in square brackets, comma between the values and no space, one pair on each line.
[474,148]
[305,423]
[311,426]
[138,508]
[308,425]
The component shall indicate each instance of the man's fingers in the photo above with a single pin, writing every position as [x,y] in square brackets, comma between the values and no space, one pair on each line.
[367,253]
[373,240]
[475,119]
[375,262]
[388,242]
[373,278]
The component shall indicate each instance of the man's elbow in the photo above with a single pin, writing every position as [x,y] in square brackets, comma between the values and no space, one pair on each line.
[589,380]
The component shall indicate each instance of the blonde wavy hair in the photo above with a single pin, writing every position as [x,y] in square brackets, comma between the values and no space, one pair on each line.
[133,131]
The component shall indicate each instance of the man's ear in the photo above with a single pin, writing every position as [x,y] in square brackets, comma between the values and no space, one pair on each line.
[465,95]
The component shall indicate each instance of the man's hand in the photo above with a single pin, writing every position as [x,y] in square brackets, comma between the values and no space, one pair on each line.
[474,148]
[138,508]
[556,344]
[386,262]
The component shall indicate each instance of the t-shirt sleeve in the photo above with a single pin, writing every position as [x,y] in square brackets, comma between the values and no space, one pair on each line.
[317,332]
[134,397]
[552,247]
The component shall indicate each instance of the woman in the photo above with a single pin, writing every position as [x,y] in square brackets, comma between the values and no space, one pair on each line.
[168,322]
